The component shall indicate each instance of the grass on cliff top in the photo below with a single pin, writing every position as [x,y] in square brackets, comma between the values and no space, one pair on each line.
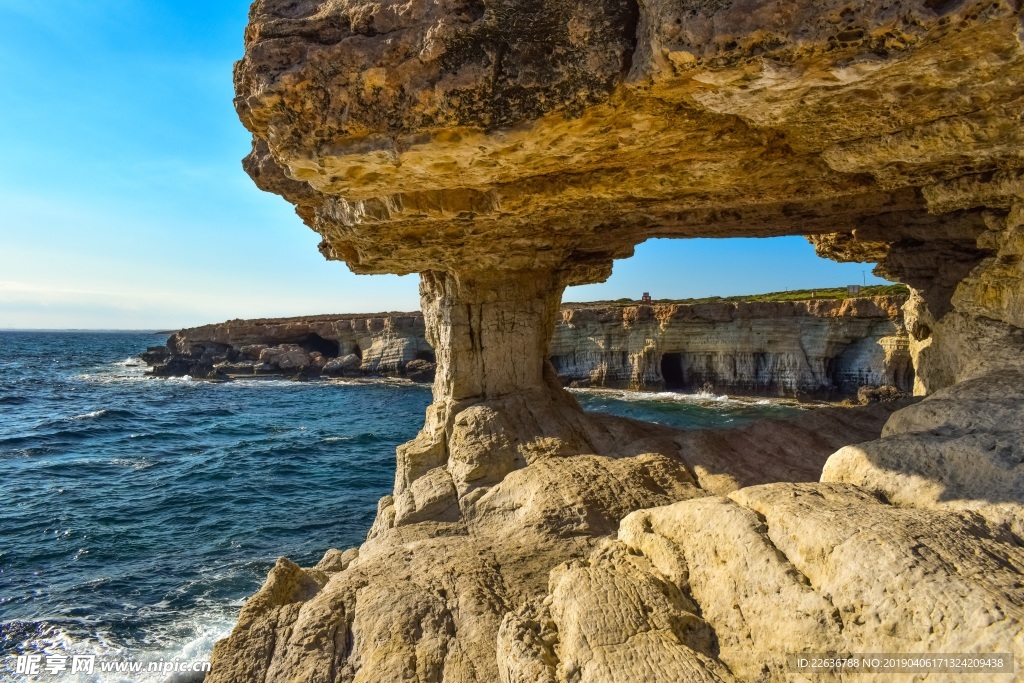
[793,295]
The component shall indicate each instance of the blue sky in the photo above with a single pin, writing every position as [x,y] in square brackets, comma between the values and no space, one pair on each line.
[123,203]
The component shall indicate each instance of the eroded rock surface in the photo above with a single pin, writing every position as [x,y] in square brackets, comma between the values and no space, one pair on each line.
[425,599]
[798,348]
[506,150]
[778,569]
[438,136]
[910,543]
[960,449]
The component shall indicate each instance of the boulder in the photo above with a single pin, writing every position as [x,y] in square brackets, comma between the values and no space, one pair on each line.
[420,370]
[241,368]
[343,366]
[252,351]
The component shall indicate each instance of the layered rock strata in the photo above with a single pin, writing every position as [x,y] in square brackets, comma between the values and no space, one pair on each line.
[506,150]
[800,348]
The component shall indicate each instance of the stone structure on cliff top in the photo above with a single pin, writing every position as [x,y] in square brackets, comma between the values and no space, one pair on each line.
[505,150]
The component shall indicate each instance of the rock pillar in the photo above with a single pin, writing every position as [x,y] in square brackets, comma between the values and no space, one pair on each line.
[490,331]
[497,401]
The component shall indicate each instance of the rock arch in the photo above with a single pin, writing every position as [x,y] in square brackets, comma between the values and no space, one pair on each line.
[508,150]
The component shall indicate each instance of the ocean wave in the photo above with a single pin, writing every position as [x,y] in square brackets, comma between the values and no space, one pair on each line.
[121,378]
[189,639]
[697,398]
[51,637]
[242,383]
[376,381]
[205,633]
[103,378]
[263,383]
[90,416]
[133,463]
[105,413]
[364,438]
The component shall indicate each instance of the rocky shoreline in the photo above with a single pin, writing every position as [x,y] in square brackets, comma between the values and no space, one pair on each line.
[378,345]
[824,348]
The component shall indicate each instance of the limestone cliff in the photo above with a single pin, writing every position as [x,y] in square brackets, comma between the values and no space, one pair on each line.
[825,347]
[810,347]
[506,149]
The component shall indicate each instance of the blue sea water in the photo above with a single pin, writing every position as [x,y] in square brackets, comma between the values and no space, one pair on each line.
[136,514]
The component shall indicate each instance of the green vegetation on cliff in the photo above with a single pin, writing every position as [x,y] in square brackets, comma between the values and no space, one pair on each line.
[789,295]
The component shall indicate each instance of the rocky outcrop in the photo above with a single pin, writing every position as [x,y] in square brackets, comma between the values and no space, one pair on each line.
[386,344]
[910,543]
[962,450]
[505,150]
[964,314]
[822,347]
[426,599]
[770,571]
[539,580]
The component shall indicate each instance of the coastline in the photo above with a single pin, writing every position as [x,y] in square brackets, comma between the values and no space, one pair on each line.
[824,349]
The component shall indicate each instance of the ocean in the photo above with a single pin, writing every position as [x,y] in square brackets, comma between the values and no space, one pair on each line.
[138,513]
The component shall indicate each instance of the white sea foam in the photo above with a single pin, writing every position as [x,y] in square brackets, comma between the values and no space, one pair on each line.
[134,463]
[195,637]
[262,383]
[353,437]
[109,378]
[653,396]
[90,416]
[247,383]
[200,645]
[703,398]
[375,381]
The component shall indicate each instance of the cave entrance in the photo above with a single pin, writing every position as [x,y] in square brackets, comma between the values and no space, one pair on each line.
[672,371]
[314,342]
[904,377]
[426,355]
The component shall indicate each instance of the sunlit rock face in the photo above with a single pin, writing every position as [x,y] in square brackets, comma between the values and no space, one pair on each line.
[964,317]
[506,150]
[799,348]
[438,135]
